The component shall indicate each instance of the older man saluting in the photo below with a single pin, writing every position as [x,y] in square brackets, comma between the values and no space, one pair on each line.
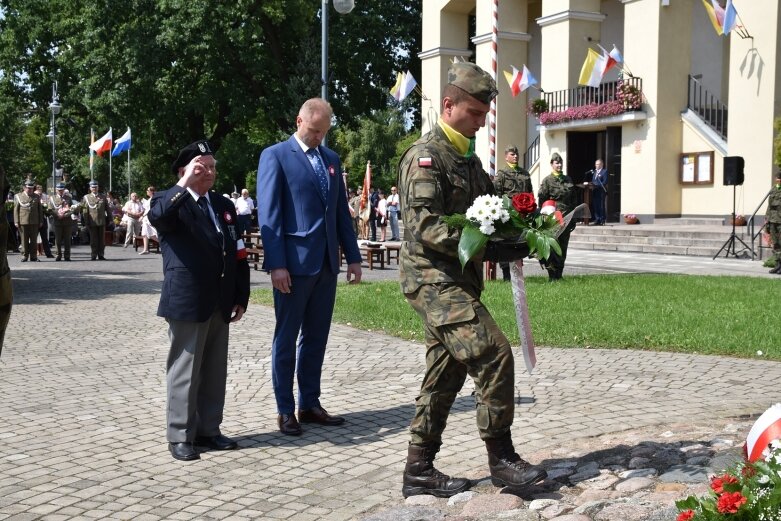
[206,287]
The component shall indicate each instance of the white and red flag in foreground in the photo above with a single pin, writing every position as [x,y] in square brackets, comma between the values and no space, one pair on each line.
[766,429]
[103,144]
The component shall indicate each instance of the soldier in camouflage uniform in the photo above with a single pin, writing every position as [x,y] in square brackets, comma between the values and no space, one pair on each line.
[773,220]
[558,186]
[439,175]
[510,181]
[28,216]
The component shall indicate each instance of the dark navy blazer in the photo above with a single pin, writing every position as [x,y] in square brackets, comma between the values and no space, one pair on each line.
[298,227]
[201,271]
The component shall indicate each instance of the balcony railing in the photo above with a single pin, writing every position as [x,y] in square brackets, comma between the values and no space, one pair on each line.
[707,106]
[561,100]
[532,153]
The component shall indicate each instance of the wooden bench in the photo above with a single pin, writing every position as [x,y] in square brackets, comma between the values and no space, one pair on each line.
[392,253]
[139,241]
[374,255]
[254,246]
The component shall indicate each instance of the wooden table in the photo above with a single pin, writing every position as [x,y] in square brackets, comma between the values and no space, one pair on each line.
[254,246]
[374,255]
[392,253]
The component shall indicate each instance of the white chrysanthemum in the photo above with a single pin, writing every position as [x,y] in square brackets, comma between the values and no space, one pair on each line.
[487,228]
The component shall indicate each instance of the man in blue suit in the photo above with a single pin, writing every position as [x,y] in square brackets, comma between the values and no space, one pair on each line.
[600,191]
[205,287]
[304,219]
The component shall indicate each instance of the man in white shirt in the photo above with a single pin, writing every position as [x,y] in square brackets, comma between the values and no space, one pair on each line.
[244,207]
[134,211]
[393,214]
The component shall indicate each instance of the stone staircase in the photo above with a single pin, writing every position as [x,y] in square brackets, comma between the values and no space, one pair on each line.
[683,236]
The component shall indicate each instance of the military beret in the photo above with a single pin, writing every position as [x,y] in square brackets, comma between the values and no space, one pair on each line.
[29,183]
[93,183]
[475,81]
[511,148]
[555,157]
[60,186]
[199,148]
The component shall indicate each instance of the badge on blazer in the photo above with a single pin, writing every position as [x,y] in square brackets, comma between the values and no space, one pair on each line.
[331,170]
[227,217]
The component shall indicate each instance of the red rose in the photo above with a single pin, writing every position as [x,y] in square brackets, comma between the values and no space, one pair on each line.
[524,203]
[687,515]
[730,502]
[717,483]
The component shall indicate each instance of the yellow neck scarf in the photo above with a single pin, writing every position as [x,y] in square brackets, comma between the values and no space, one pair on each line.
[464,145]
[512,166]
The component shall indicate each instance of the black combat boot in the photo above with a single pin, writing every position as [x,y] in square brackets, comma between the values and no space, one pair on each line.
[507,467]
[777,269]
[420,476]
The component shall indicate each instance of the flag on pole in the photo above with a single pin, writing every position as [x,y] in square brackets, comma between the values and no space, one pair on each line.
[593,69]
[730,17]
[396,89]
[103,144]
[122,144]
[367,184]
[519,80]
[716,15]
[407,86]
[612,58]
[91,152]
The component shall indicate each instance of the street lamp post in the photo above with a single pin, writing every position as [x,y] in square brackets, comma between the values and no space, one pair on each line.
[55,108]
[342,7]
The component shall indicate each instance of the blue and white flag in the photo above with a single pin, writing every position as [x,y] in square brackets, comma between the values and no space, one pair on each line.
[122,144]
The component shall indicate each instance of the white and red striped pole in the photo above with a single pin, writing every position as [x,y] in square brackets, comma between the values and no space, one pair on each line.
[492,117]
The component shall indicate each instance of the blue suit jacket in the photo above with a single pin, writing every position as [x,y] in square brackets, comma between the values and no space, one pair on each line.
[201,271]
[600,178]
[299,228]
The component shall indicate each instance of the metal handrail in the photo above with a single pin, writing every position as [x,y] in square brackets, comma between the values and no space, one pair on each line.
[561,100]
[750,225]
[532,154]
[707,106]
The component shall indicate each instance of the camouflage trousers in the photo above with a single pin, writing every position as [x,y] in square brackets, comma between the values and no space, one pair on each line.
[774,230]
[461,338]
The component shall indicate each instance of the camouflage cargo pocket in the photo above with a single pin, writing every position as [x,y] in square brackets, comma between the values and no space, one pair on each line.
[447,304]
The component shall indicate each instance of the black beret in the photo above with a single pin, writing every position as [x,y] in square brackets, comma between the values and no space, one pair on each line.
[199,148]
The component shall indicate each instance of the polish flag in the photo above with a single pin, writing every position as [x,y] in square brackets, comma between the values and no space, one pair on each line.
[103,144]
[766,429]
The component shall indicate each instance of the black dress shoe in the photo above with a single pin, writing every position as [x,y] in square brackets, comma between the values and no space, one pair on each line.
[100,257]
[319,415]
[58,258]
[288,424]
[183,451]
[217,442]
[50,256]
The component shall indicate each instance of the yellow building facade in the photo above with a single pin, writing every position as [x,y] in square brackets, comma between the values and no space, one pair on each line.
[705,96]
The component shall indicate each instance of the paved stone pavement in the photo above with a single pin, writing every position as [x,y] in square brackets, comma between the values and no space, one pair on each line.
[82,394]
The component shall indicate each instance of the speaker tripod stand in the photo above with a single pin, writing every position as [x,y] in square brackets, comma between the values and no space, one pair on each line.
[729,244]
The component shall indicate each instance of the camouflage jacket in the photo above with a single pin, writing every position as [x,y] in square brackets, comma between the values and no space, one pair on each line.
[560,189]
[773,214]
[513,181]
[434,181]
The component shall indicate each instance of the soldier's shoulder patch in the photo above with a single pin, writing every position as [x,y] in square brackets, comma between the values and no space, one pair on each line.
[424,162]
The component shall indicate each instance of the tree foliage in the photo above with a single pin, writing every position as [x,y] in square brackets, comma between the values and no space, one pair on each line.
[177,70]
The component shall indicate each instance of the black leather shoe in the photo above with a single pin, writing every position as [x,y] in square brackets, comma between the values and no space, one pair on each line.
[58,258]
[319,415]
[101,257]
[288,424]
[183,451]
[218,442]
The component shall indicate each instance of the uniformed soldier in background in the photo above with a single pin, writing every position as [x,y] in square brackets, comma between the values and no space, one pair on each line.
[558,187]
[773,221]
[60,205]
[28,218]
[514,179]
[97,213]
[439,175]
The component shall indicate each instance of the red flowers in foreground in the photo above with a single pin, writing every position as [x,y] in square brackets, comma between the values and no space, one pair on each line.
[524,203]
[717,482]
[730,502]
[686,515]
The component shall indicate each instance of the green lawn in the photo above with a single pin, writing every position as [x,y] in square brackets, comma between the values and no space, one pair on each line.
[735,316]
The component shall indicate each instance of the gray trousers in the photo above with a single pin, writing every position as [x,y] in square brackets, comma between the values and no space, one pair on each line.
[196,373]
